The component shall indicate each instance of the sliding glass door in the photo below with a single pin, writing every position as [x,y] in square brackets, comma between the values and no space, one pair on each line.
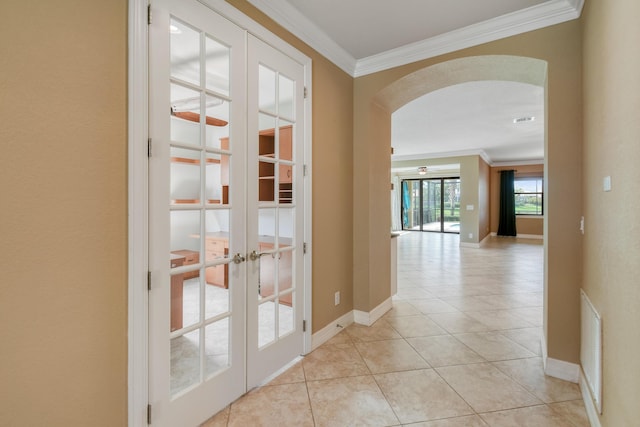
[431,204]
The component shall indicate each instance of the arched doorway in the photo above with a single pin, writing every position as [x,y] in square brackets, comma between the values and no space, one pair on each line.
[372,131]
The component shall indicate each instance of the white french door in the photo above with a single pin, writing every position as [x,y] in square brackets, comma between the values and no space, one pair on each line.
[225,212]
[275,227]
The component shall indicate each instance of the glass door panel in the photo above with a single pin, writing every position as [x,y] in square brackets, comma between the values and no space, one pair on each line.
[275,226]
[196,212]
[451,205]
[431,206]
[225,181]
[411,202]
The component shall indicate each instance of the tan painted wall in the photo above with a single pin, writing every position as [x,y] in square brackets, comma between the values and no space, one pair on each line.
[63,222]
[530,226]
[332,176]
[560,46]
[63,225]
[63,296]
[484,185]
[611,243]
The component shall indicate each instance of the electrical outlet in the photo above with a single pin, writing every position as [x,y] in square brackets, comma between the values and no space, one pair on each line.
[471,235]
[337,298]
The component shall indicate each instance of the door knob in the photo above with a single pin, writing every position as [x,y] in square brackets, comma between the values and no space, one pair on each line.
[237,258]
[255,255]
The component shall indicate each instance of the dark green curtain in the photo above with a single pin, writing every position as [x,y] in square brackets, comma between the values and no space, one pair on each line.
[507,224]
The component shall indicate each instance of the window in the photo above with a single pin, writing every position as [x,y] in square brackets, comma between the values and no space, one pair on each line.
[529,195]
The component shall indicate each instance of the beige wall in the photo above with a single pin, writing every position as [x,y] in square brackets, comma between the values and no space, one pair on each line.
[63,297]
[63,222]
[484,212]
[611,243]
[560,46]
[529,226]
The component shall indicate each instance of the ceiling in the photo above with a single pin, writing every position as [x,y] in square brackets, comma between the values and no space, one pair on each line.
[367,36]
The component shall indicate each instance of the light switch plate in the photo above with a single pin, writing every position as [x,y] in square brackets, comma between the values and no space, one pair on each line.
[606,183]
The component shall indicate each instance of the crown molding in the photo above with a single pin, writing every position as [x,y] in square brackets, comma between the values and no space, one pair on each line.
[517,163]
[533,18]
[461,153]
[307,31]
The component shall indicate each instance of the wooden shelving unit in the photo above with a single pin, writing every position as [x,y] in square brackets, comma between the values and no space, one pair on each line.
[267,169]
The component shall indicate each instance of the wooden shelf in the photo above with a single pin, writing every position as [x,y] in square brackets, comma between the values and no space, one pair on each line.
[194,201]
[267,170]
[192,161]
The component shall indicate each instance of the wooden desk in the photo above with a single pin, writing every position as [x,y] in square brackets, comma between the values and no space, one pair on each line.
[176,293]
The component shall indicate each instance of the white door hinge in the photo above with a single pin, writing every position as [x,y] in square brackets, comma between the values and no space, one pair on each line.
[148,280]
[149,18]
[149,414]
[149,147]
[304,170]
[304,248]
[304,326]
[305,92]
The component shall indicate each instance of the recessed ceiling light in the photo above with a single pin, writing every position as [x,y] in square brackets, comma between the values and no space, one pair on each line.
[524,119]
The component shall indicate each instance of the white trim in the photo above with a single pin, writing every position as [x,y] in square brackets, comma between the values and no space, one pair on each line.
[427,156]
[469,245]
[243,21]
[307,31]
[542,15]
[308,208]
[533,18]
[138,370]
[530,236]
[369,318]
[138,328]
[558,368]
[331,330]
[476,245]
[523,236]
[590,407]
[518,163]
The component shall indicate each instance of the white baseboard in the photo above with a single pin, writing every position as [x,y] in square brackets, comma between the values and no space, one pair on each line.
[589,406]
[558,368]
[522,236]
[469,245]
[563,370]
[368,319]
[331,330]
[530,236]
[357,316]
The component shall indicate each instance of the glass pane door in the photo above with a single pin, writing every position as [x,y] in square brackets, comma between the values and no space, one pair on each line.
[431,204]
[451,205]
[411,205]
[196,215]
[275,233]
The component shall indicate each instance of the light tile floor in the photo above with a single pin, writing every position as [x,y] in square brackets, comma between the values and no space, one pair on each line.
[460,348]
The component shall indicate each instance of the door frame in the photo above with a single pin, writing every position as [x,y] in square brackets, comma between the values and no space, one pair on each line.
[421,180]
[138,136]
